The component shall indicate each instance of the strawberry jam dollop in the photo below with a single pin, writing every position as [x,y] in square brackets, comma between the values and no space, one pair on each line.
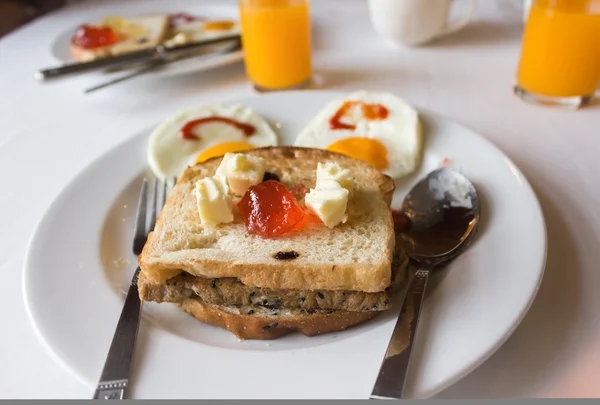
[92,37]
[270,210]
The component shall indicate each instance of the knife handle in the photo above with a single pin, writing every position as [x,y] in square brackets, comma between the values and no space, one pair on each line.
[391,380]
[81,67]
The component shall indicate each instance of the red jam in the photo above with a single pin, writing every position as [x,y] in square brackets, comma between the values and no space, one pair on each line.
[270,210]
[401,221]
[187,132]
[370,112]
[92,37]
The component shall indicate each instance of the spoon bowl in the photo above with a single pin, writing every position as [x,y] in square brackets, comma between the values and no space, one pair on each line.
[440,212]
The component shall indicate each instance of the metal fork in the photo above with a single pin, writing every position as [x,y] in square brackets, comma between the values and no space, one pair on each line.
[114,379]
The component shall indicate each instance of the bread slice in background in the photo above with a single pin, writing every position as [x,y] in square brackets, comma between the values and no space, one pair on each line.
[152,31]
[87,55]
[352,256]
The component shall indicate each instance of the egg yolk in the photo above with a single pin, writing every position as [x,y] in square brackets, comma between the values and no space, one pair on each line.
[218,25]
[368,150]
[222,148]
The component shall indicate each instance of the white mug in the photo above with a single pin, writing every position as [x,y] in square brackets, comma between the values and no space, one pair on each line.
[414,22]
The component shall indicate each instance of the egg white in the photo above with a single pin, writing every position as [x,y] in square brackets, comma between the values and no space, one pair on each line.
[400,132]
[169,154]
[195,31]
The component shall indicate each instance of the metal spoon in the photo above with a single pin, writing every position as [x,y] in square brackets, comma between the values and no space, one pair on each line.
[439,218]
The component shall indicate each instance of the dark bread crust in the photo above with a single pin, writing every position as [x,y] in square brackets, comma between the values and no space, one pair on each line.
[264,327]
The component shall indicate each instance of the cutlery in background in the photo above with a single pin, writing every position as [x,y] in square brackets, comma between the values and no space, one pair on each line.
[154,64]
[159,52]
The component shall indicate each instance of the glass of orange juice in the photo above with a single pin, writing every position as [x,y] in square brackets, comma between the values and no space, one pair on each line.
[560,54]
[276,42]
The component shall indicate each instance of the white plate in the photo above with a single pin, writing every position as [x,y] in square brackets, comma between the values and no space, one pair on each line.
[79,263]
[217,55]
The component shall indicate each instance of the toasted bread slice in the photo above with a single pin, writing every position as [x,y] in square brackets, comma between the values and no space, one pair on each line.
[231,292]
[261,323]
[356,255]
[87,55]
[152,30]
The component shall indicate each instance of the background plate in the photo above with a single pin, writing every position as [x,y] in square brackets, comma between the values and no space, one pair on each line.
[60,46]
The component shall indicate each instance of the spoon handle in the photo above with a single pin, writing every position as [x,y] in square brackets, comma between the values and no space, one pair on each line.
[394,368]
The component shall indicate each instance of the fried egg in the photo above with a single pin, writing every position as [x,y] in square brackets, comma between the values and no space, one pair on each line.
[378,128]
[201,133]
[199,30]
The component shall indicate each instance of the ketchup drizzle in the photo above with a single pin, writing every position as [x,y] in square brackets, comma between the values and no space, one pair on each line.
[187,130]
[370,112]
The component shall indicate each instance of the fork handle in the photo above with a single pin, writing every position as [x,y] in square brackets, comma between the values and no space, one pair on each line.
[391,380]
[114,379]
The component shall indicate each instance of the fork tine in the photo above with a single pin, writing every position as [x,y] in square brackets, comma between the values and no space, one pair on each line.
[153,205]
[140,223]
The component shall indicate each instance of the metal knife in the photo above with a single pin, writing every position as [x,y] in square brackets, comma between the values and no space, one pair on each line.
[153,64]
[146,54]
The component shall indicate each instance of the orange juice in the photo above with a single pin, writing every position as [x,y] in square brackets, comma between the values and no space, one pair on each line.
[276,41]
[560,55]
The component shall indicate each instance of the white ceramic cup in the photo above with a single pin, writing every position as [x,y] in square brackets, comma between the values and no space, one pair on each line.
[415,22]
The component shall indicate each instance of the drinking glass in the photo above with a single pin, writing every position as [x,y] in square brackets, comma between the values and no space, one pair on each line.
[560,54]
[276,42]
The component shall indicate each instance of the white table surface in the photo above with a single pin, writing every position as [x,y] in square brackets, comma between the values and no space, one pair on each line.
[50,131]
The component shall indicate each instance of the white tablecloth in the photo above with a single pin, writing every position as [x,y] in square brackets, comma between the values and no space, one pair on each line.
[50,131]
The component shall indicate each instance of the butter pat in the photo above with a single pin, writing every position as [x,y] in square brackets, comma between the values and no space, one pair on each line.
[333,171]
[328,201]
[214,202]
[241,171]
